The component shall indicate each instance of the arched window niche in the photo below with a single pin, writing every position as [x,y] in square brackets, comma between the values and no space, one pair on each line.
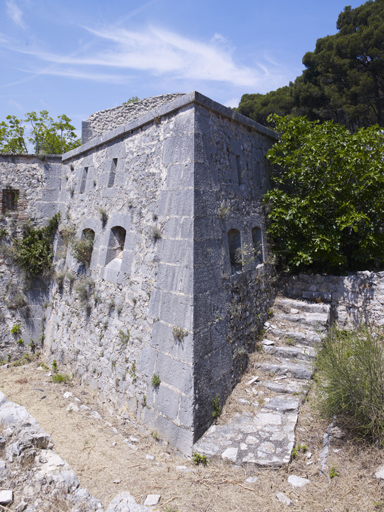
[115,247]
[257,241]
[235,253]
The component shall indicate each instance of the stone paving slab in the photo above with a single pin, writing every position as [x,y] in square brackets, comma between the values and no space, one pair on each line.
[264,439]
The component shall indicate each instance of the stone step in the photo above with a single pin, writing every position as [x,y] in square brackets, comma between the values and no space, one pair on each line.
[286,386]
[296,352]
[314,321]
[302,371]
[308,307]
[306,337]
[264,439]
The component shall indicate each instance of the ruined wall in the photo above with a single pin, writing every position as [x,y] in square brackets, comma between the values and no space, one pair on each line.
[105,120]
[231,298]
[354,298]
[29,193]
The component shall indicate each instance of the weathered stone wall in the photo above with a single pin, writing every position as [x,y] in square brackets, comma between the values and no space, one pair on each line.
[105,120]
[354,298]
[165,296]
[29,193]
[113,340]
[230,304]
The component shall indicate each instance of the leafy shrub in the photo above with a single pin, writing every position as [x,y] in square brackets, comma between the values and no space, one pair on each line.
[16,329]
[34,252]
[350,380]
[199,459]
[326,208]
[155,381]
[81,248]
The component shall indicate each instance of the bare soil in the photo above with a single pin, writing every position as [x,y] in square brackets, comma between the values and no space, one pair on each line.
[96,451]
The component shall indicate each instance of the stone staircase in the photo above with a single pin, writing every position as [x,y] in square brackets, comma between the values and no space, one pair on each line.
[262,431]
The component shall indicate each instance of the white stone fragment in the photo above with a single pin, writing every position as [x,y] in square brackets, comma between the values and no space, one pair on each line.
[117,481]
[252,479]
[309,455]
[283,499]
[380,473]
[268,342]
[230,454]
[252,381]
[149,457]
[72,407]
[152,500]
[133,439]
[6,497]
[298,481]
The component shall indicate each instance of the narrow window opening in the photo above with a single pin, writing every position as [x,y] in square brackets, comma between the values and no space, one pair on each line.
[116,243]
[257,241]
[10,199]
[84,180]
[235,254]
[240,171]
[112,174]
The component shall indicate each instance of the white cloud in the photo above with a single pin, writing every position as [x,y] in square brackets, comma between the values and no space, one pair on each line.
[163,53]
[83,75]
[15,13]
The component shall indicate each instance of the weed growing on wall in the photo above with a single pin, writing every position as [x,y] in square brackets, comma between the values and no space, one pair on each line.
[81,249]
[350,380]
[34,252]
[155,381]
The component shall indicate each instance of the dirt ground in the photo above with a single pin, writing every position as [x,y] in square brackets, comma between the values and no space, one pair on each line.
[106,465]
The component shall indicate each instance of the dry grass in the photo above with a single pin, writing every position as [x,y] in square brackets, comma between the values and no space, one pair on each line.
[99,456]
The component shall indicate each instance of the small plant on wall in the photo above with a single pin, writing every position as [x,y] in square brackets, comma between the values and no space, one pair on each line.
[34,252]
[155,381]
[81,248]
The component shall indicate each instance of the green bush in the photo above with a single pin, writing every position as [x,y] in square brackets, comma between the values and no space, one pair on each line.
[350,381]
[34,252]
[326,208]
[81,249]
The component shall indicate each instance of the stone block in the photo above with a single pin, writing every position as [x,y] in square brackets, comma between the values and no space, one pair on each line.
[180,177]
[167,401]
[179,437]
[175,279]
[163,339]
[186,412]
[175,373]
[177,310]
[147,361]
[178,149]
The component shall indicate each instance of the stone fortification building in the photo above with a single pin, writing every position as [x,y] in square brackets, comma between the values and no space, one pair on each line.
[178,285]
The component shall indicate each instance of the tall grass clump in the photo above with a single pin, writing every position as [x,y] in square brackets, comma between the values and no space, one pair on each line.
[350,380]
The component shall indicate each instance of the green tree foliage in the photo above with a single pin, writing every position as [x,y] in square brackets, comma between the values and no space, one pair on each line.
[40,132]
[326,207]
[344,76]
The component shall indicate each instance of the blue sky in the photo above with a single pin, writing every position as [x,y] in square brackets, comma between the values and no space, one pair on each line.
[76,57]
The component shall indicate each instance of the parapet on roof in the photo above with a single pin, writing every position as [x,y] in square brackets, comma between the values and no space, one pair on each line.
[106,120]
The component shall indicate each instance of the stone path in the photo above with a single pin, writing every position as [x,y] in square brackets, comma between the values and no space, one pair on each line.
[264,432]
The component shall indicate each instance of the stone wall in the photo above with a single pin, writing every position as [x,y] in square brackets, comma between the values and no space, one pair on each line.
[29,193]
[105,120]
[160,321]
[171,305]
[354,298]
[231,303]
